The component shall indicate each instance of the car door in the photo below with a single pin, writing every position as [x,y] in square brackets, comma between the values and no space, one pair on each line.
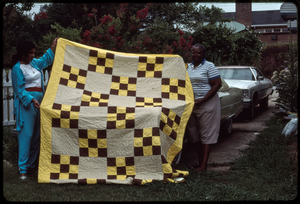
[265,84]
[260,86]
[224,100]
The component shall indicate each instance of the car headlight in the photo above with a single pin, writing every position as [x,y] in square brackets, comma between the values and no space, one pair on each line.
[245,94]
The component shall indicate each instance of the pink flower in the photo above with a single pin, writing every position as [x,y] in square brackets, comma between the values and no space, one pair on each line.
[86,35]
[190,39]
[106,19]
[123,9]
[112,30]
[96,44]
[121,43]
[175,44]
[119,38]
[142,14]
[41,15]
[182,42]
[180,32]
[90,15]
[188,46]
[147,41]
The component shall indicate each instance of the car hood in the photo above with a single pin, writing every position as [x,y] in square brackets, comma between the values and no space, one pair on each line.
[242,84]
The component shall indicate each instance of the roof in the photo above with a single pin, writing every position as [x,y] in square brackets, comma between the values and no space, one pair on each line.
[261,17]
[232,24]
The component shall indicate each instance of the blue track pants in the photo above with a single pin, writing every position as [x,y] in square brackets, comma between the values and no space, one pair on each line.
[29,135]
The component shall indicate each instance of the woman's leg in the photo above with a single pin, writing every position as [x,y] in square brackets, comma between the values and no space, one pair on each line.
[24,138]
[28,136]
[203,151]
[35,141]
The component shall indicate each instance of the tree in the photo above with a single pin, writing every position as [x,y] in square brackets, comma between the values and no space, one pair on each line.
[15,28]
[223,45]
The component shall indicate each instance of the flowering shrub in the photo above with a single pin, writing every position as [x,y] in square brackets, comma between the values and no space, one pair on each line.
[180,32]
[112,30]
[123,34]
[106,19]
[286,82]
[141,14]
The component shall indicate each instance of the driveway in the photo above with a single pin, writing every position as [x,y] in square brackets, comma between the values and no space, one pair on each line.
[228,147]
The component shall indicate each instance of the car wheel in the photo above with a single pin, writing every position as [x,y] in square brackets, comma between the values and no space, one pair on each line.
[227,126]
[264,103]
[250,112]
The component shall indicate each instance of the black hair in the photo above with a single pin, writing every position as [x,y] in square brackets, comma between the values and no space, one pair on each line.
[201,46]
[23,48]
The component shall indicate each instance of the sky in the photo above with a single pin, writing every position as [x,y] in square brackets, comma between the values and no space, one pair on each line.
[227,7]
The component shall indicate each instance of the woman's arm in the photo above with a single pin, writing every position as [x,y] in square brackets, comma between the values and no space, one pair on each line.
[47,59]
[215,84]
[53,46]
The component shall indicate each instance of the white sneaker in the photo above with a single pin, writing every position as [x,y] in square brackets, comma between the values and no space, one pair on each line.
[23,177]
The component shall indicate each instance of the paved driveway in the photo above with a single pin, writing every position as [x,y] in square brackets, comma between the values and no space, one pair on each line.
[227,148]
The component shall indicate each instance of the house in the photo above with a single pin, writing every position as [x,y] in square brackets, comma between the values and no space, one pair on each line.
[274,26]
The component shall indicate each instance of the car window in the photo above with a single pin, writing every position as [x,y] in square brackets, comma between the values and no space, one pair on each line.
[236,73]
[257,73]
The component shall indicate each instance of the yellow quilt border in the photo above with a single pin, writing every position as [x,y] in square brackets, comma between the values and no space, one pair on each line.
[50,94]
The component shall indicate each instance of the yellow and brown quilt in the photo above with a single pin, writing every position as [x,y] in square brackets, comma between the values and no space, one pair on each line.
[112,117]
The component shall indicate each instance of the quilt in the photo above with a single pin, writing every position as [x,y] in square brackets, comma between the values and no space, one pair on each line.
[112,117]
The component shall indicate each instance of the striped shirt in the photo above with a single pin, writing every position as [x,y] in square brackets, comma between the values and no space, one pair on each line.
[200,77]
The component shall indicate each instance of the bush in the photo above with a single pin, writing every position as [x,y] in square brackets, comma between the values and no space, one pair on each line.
[273,57]
[287,81]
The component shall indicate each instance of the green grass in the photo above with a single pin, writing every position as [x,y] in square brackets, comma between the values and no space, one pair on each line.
[265,172]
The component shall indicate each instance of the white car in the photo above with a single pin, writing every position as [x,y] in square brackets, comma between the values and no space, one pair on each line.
[256,88]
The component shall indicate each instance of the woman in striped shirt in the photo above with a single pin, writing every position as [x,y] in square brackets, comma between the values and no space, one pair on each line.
[204,124]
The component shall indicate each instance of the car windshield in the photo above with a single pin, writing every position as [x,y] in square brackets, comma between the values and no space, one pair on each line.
[236,73]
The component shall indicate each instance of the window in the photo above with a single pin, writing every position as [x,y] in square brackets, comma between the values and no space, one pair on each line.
[277,30]
[285,30]
[268,30]
[236,73]
[260,30]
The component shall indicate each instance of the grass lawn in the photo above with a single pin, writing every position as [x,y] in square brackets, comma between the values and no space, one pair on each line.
[267,170]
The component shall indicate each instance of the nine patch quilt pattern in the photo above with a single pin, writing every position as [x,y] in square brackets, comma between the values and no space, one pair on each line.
[112,117]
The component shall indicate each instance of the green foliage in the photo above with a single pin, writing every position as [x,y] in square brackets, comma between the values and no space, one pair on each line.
[247,48]
[72,34]
[287,81]
[218,48]
[273,57]
[223,45]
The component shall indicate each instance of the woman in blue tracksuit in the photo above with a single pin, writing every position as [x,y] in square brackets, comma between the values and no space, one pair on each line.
[27,81]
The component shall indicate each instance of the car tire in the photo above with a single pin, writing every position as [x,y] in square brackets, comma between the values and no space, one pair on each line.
[226,127]
[250,112]
[264,103]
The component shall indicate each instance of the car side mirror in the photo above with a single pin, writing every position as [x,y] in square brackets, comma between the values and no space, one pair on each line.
[260,78]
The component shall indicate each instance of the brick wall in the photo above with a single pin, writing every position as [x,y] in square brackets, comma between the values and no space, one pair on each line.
[280,37]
